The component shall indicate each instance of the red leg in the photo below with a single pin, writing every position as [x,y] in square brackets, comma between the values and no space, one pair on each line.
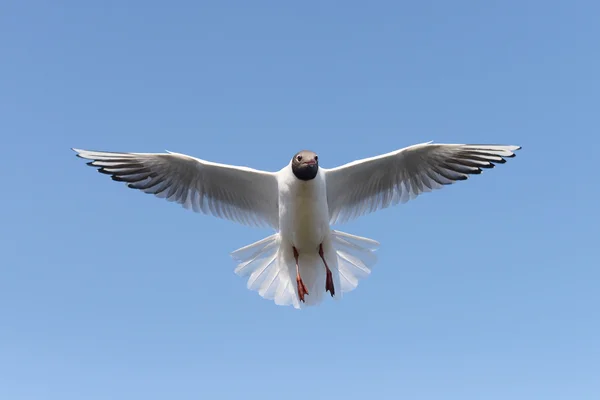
[301,288]
[329,280]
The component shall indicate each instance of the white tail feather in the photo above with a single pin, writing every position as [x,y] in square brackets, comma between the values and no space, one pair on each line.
[271,269]
[356,257]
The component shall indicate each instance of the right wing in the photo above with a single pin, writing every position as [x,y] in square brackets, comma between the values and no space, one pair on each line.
[371,184]
[239,194]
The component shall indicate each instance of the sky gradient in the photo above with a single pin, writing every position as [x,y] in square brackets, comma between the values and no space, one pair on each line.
[487,289]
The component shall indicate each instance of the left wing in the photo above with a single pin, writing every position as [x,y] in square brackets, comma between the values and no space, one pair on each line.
[367,185]
[240,194]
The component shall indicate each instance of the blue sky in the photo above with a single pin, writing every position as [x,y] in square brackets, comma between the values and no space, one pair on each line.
[484,290]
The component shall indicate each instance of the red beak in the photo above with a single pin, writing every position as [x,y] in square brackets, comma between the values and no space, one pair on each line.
[310,162]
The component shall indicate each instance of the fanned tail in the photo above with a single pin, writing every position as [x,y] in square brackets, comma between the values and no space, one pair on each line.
[271,269]
[356,257]
[268,271]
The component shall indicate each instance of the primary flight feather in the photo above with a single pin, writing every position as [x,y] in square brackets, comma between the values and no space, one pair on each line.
[305,258]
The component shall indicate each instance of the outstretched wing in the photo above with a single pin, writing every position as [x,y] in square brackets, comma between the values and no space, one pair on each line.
[240,194]
[367,185]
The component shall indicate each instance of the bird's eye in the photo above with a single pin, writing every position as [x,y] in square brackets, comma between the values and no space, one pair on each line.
[299,158]
[316,158]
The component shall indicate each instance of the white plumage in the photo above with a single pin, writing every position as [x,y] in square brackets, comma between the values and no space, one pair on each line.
[300,202]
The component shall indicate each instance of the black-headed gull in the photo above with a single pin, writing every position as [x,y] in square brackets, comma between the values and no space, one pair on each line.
[300,202]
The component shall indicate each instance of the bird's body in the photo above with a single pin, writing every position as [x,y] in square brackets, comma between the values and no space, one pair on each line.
[303,212]
[305,258]
[304,227]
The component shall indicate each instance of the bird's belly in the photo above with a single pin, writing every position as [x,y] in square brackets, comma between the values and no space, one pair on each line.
[308,225]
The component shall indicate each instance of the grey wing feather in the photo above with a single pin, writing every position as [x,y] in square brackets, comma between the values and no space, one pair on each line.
[367,185]
[239,194]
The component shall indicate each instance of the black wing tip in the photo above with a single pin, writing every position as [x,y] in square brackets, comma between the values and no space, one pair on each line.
[513,155]
[78,152]
[103,171]
[513,152]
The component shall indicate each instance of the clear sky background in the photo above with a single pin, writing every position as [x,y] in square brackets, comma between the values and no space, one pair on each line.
[487,289]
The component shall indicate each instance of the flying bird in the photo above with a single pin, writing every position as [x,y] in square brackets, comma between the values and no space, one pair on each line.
[305,259]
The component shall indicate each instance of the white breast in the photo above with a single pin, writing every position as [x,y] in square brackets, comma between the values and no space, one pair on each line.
[303,211]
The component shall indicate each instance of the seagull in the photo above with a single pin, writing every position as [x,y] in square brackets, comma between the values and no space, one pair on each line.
[305,258]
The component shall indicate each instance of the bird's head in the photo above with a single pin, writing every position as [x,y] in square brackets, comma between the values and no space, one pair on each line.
[305,165]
